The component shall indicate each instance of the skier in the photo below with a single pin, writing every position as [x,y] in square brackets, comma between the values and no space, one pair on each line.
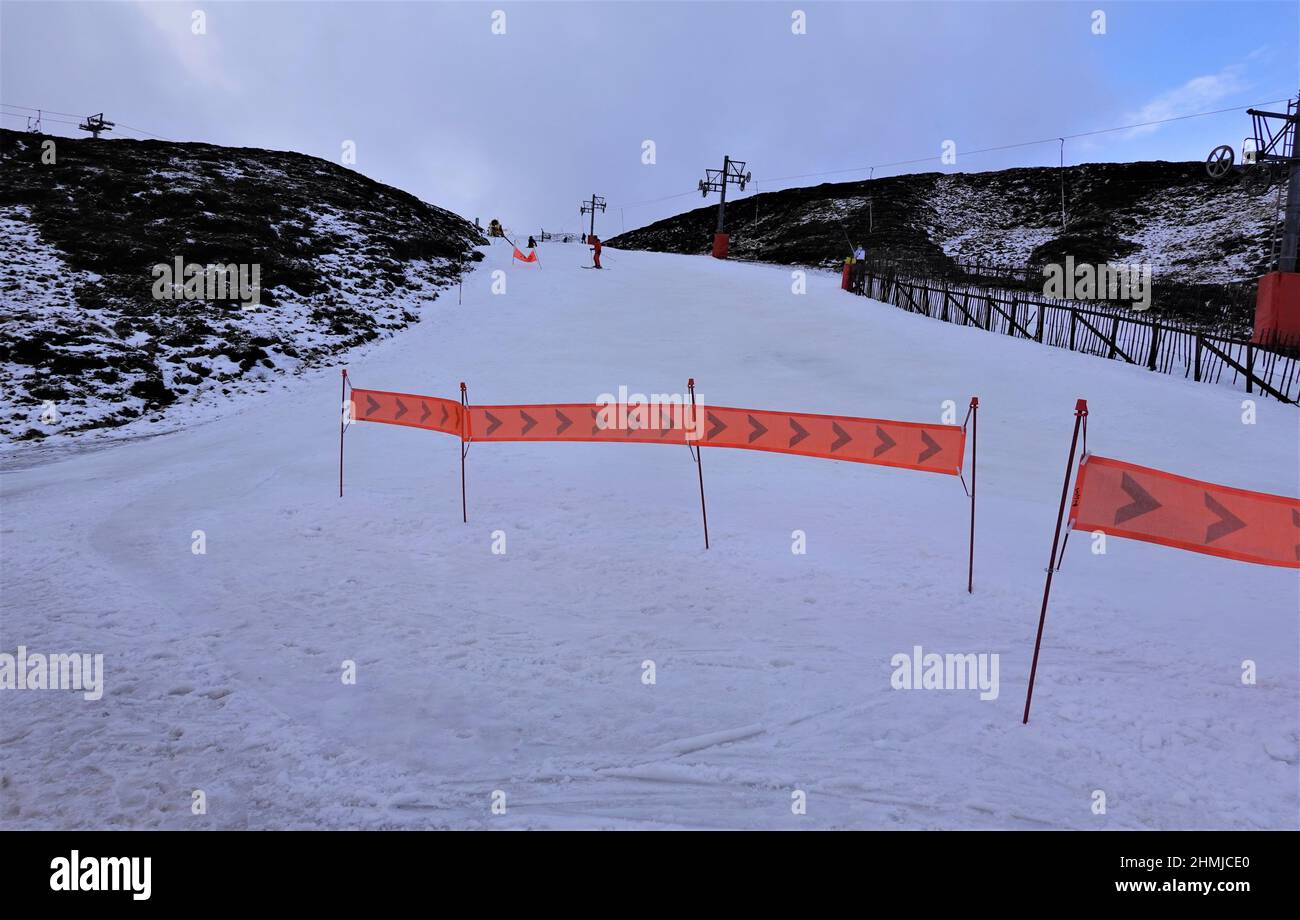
[532,243]
[859,269]
[595,250]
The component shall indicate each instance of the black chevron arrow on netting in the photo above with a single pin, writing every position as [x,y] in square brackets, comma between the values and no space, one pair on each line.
[842,439]
[493,423]
[799,432]
[564,422]
[444,416]
[759,429]
[1295,520]
[529,421]
[718,426]
[372,406]
[931,447]
[425,412]
[595,424]
[1226,524]
[401,409]
[886,442]
[1142,502]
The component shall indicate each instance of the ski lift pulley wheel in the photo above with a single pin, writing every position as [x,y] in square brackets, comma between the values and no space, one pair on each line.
[1219,162]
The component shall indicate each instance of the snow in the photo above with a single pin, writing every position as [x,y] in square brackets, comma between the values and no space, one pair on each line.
[523,672]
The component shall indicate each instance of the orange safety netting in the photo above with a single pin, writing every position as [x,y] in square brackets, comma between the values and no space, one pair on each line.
[1140,503]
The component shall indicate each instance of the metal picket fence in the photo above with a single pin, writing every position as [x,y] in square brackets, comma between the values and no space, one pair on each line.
[1271,369]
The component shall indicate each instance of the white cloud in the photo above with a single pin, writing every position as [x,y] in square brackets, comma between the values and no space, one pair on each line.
[1198,94]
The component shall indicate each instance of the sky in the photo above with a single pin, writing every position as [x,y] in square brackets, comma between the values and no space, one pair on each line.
[521,110]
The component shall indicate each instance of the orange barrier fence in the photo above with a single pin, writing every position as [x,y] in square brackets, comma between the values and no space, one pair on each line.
[428,412]
[908,445]
[911,445]
[1125,500]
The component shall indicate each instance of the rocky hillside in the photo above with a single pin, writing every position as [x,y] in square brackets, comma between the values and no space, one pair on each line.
[86,344]
[1191,229]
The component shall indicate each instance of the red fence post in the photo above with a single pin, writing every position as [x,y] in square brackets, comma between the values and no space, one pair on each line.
[342,425]
[1080,412]
[695,422]
[974,450]
[464,448]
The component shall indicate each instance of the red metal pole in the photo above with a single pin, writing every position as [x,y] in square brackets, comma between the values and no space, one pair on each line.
[704,511]
[464,419]
[342,426]
[1080,412]
[974,450]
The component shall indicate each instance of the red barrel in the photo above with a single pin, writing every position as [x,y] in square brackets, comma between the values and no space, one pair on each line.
[720,242]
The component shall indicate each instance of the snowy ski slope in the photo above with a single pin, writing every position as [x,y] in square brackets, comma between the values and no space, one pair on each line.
[522,672]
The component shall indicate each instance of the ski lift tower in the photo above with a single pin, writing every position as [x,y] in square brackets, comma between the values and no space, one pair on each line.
[591,207]
[1273,145]
[715,180]
[95,124]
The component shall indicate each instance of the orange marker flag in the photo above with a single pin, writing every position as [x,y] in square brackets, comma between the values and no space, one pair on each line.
[531,257]
[1126,500]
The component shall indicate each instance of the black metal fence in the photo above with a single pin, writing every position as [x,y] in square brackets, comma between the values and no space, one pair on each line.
[1220,308]
[1109,332]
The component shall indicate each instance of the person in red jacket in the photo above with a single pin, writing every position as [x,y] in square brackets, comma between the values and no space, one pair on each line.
[595,250]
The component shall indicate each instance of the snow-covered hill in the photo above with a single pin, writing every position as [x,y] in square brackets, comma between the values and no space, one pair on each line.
[523,673]
[87,349]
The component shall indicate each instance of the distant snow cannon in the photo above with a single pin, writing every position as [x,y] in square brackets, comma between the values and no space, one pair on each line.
[715,180]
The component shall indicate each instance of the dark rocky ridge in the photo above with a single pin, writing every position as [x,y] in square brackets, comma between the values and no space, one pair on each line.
[344,260]
[1192,229]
